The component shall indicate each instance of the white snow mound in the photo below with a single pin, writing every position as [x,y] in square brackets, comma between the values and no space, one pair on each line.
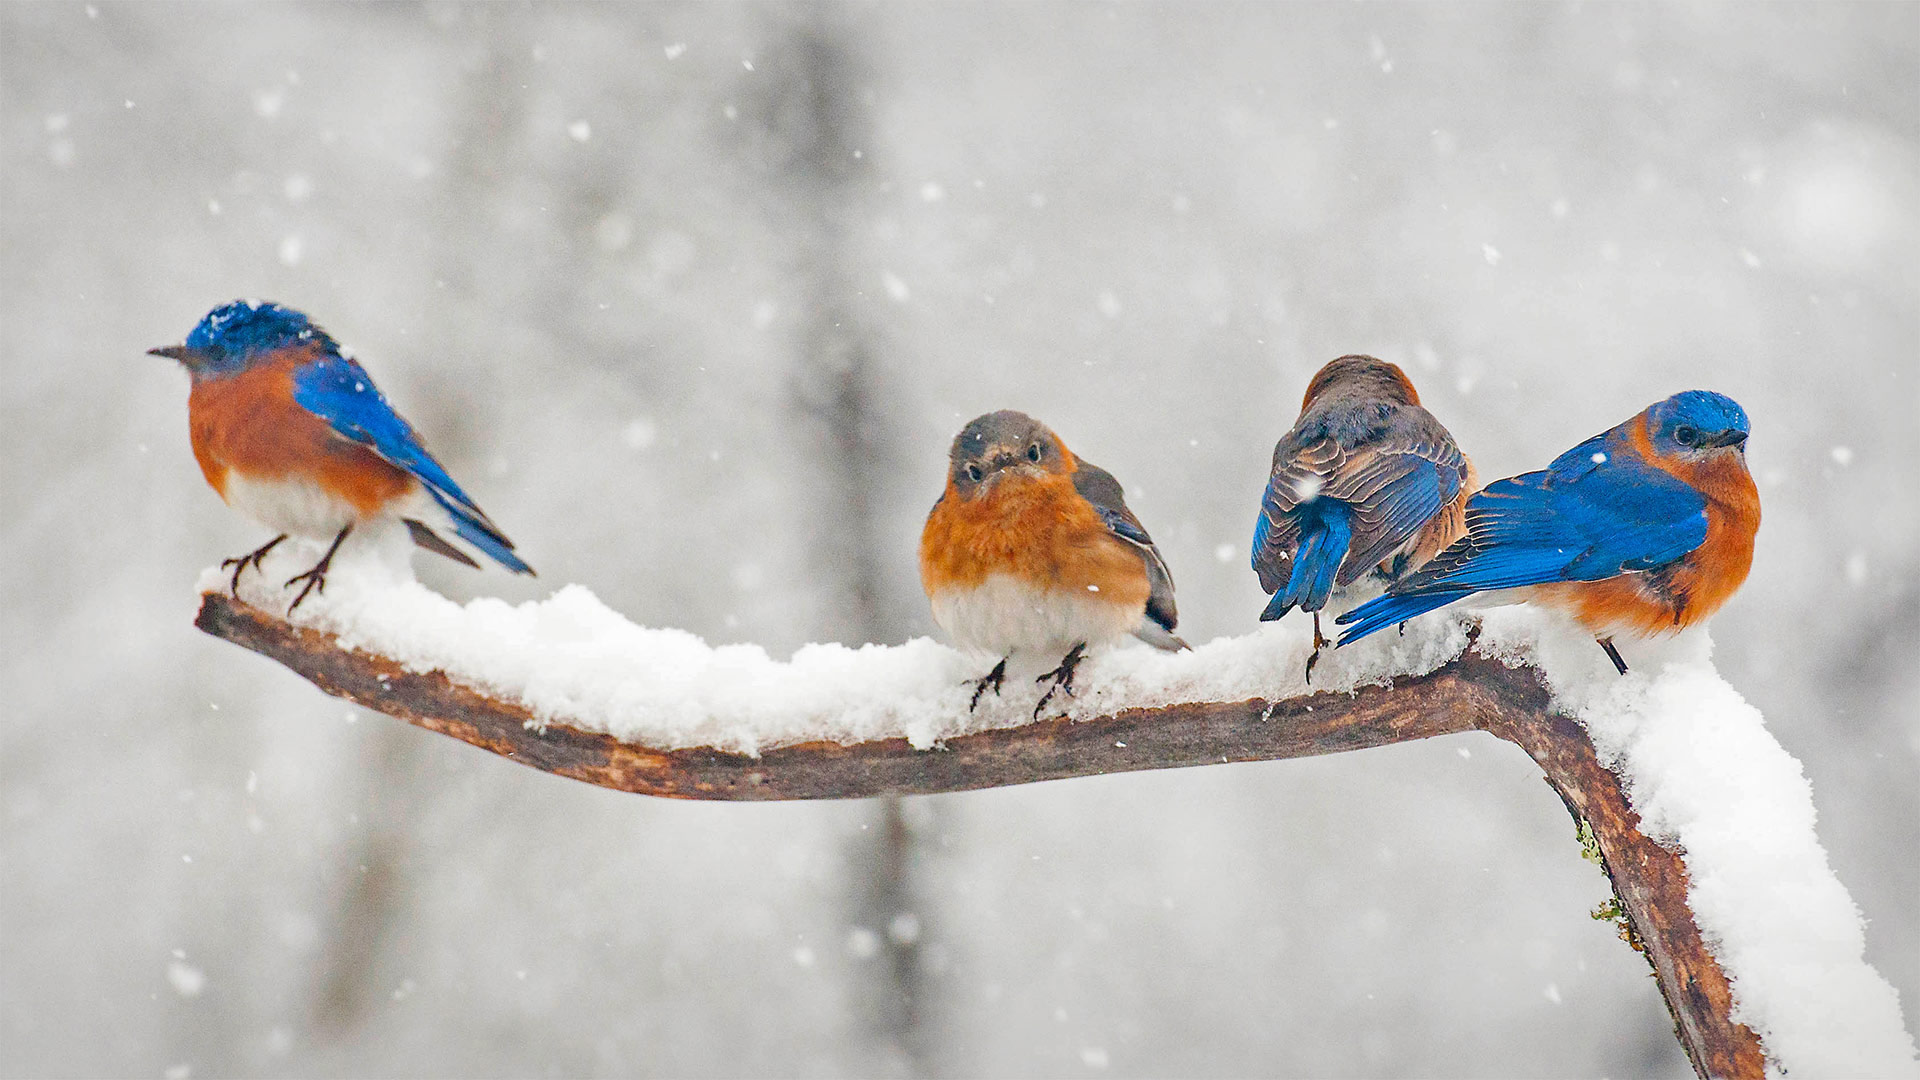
[570,659]
[1697,761]
[1709,780]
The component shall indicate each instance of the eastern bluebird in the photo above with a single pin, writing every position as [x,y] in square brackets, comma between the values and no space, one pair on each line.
[1367,480]
[1644,529]
[290,430]
[1032,550]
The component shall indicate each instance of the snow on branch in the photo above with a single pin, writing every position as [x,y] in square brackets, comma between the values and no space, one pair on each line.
[1472,691]
[1702,822]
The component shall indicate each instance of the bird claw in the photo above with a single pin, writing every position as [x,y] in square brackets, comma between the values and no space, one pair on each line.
[239,562]
[1062,677]
[1319,642]
[316,575]
[992,678]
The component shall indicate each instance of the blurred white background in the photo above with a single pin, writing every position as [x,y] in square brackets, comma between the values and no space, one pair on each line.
[692,299]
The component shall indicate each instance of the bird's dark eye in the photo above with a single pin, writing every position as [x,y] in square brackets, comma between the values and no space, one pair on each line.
[1033,452]
[973,473]
[1688,435]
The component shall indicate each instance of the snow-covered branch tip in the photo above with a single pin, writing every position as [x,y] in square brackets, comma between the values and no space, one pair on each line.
[1469,692]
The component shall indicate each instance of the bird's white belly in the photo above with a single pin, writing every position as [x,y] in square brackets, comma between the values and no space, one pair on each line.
[1004,615]
[295,507]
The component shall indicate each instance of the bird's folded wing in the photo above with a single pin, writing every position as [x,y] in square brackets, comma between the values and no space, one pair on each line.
[340,391]
[1098,487]
[1299,473]
[1618,516]
[1393,485]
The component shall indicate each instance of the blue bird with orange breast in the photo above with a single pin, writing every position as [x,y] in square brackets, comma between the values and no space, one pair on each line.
[1366,481]
[1645,529]
[290,430]
[1033,550]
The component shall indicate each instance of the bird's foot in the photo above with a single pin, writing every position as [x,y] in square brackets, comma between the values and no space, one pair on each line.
[1613,654]
[239,562]
[1319,642]
[991,679]
[1062,676]
[314,578]
[316,575]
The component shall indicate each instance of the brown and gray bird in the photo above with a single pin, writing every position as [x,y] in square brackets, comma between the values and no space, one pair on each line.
[1033,550]
[1367,480]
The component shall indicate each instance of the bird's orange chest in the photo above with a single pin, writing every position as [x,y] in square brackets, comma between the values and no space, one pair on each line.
[1712,572]
[249,423]
[1038,529]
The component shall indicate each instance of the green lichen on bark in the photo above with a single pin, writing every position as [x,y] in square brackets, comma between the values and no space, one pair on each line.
[1589,845]
[1611,910]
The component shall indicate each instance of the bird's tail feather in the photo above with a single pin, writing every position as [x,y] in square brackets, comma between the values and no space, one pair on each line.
[1318,561]
[479,532]
[1384,611]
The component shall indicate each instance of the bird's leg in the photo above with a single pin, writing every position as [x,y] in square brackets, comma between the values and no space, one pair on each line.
[239,562]
[1613,654]
[317,575]
[1062,676]
[1319,642]
[992,678]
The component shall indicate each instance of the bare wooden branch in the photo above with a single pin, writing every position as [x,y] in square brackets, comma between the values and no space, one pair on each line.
[1469,693]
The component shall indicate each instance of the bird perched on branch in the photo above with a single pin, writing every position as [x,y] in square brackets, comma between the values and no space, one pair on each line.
[1644,529]
[290,430]
[1367,480]
[1032,550]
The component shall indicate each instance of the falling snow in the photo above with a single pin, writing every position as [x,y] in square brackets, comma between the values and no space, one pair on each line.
[578,328]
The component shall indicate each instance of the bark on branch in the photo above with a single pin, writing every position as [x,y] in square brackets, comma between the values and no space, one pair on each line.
[1469,693]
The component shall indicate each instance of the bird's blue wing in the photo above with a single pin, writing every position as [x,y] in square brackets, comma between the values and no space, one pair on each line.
[339,391]
[1394,497]
[1618,517]
[1612,516]
[1584,458]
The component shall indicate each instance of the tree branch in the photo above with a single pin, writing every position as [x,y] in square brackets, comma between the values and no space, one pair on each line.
[1469,693]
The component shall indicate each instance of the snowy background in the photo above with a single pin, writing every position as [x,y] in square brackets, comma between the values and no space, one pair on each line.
[693,299]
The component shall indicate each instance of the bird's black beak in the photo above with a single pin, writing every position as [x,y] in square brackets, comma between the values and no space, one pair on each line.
[1731,438]
[171,352]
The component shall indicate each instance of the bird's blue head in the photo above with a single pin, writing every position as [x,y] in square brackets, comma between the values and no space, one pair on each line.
[1695,423]
[235,336]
